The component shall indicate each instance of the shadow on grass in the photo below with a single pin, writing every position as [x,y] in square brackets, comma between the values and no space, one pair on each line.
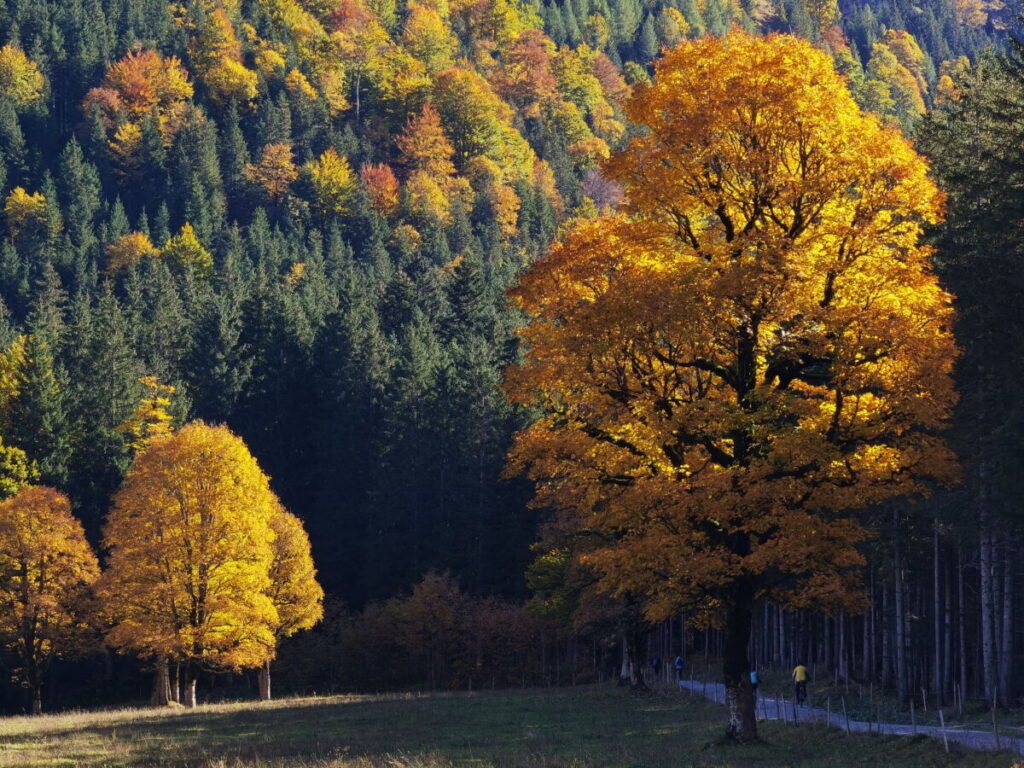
[481,729]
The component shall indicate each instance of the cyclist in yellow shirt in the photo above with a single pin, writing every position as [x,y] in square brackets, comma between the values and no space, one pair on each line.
[800,683]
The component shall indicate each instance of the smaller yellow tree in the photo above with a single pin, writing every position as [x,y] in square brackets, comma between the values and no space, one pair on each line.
[20,78]
[190,548]
[46,568]
[151,419]
[275,172]
[127,251]
[26,214]
[185,252]
[294,589]
[333,182]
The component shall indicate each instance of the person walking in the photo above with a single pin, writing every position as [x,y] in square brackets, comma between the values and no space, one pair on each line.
[754,682]
[800,683]
[679,664]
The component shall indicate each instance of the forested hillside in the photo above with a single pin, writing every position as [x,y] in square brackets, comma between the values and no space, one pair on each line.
[303,215]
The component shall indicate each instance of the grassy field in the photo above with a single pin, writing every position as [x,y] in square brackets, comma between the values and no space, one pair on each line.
[597,727]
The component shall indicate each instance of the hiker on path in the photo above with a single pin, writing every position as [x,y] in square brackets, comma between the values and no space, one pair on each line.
[754,682]
[679,664]
[800,683]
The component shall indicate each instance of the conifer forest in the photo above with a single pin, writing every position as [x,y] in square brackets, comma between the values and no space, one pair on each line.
[419,306]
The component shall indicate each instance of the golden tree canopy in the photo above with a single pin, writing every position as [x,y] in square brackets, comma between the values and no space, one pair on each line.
[294,590]
[754,345]
[46,568]
[190,548]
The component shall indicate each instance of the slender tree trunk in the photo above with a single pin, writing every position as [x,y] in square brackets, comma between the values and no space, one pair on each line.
[887,665]
[161,695]
[841,650]
[265,681]
[947,645]
[736,667]
[190,686]
[900,610]
[961,623]
[937,684]
[987,611]
[1006,640]
[783,650]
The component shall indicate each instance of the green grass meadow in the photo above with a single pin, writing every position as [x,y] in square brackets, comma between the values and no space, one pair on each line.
[599,727]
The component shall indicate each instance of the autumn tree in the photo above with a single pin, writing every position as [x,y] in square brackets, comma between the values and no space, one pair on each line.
[190,548]
[20,78]
[27,216]
[138,83]
[294,590]
[275,172]
[46,568]
[750,350]
[333,182]
[152,418]
[185,253]
[128,251]
[216,55]
[381,187]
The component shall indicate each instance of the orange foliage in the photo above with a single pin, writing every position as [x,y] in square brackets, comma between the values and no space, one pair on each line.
[526,78]
[127,251]
[46,567]
[755,346]
[143,80]
[381,187]
[424,145]
[275,172]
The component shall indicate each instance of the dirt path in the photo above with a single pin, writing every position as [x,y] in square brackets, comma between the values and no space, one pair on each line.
[775,709]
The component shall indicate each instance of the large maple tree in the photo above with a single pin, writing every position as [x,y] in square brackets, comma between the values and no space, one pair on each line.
[750,349]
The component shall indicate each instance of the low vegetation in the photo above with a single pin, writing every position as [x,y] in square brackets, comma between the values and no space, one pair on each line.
[595,726]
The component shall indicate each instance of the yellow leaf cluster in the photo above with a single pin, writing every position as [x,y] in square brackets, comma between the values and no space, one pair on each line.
[151,419]
[20,78]
[185,252]
[294,590]
[25,213]
[127,251]
[334,183]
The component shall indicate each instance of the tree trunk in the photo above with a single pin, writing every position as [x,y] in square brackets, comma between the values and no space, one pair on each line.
[190,686]
[900,610]
[961,624]
[886,675]
[265,681]
[987,611]
[1006,640]
[736,667]
[161,695]
[947,644]
[937,679]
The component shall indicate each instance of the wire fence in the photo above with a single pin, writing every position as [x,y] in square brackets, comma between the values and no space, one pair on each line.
[780,709]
